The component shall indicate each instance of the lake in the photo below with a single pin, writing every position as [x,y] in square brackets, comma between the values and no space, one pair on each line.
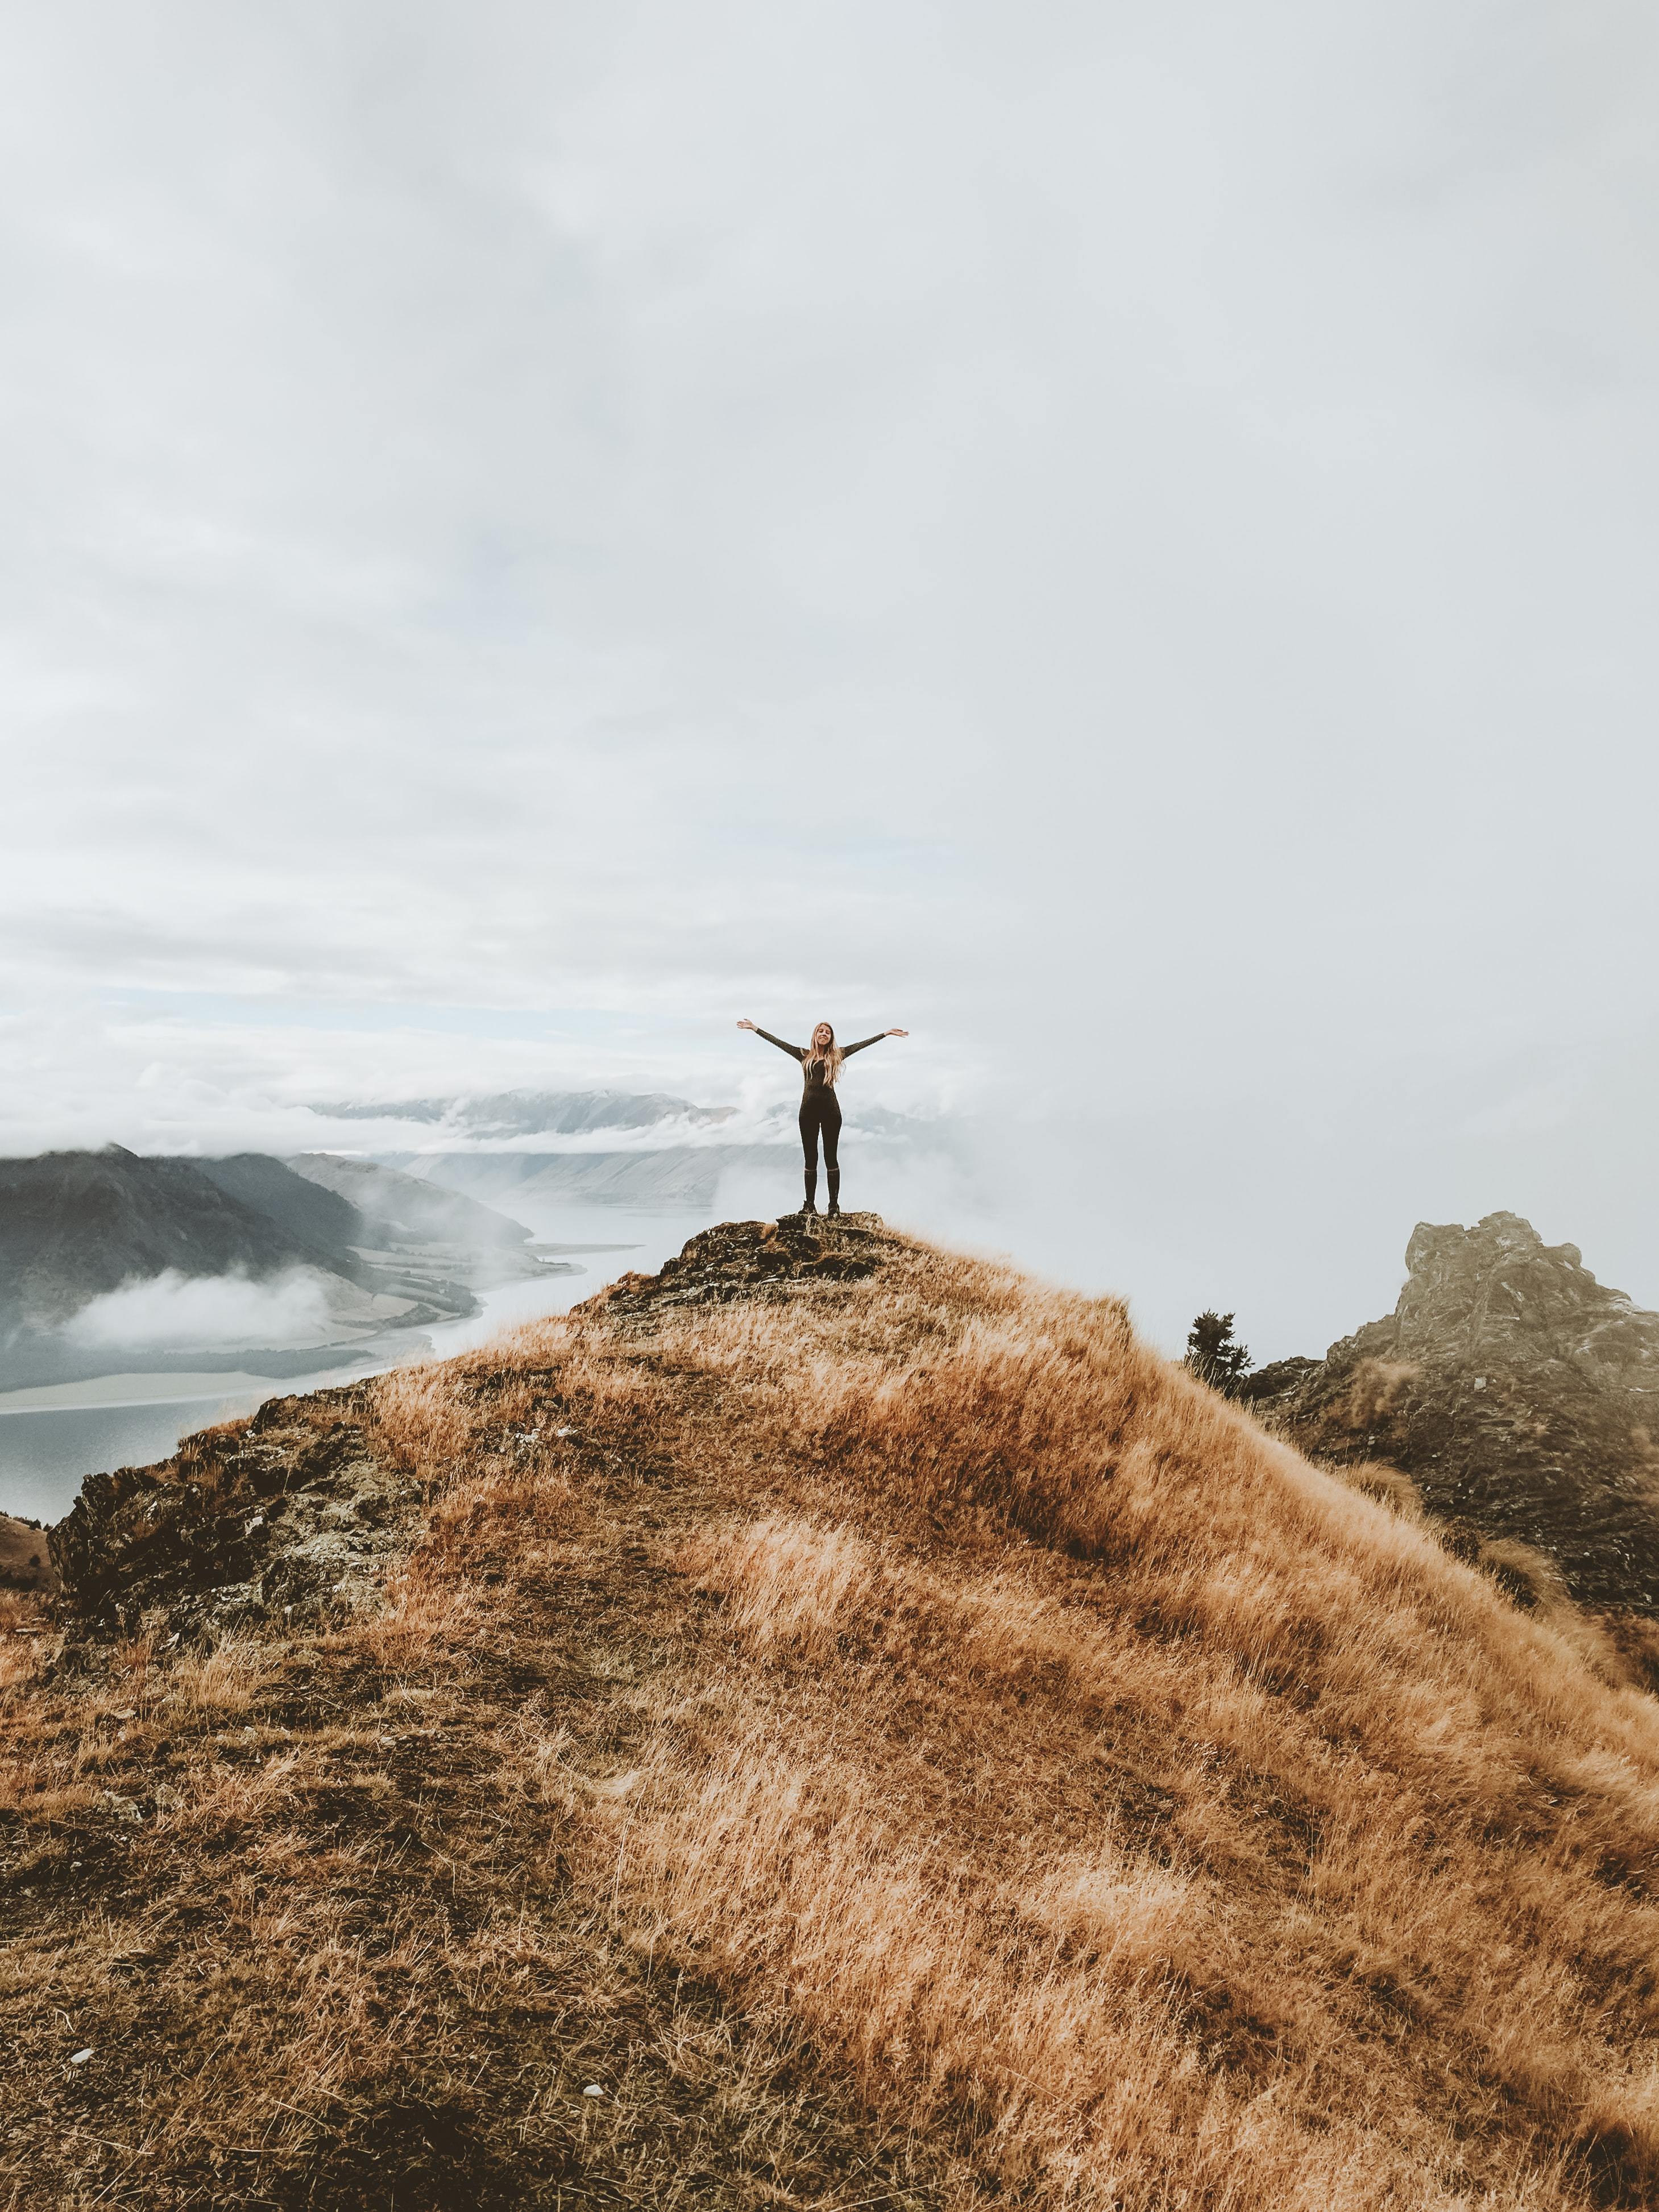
[52,1439]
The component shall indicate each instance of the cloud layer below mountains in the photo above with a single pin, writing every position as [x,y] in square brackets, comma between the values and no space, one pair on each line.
[174,1311]
[1119,540]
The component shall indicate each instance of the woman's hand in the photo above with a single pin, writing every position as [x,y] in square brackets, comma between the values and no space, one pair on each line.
[895,1032]
[745,1025]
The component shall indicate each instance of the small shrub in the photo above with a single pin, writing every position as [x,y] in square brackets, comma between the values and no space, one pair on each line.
[1215,1356]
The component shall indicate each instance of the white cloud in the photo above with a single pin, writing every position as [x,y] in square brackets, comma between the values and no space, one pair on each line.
[1116,538]
[173,1311]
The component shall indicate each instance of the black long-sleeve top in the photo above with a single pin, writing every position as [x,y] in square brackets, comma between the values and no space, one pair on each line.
[814,1069]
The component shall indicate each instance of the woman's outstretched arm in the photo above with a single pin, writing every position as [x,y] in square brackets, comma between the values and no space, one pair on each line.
[864,1042]
[794,1051]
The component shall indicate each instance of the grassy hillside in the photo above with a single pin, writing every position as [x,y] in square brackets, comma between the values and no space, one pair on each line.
[886,1731]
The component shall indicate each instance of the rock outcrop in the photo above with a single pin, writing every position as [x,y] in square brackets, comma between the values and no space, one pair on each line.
[1519,1394]
[291,1516]
[763,1259]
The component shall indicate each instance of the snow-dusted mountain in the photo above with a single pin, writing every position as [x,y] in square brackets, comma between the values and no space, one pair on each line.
[536,1113]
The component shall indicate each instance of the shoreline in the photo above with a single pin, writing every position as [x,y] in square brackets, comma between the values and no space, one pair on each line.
[99,1393]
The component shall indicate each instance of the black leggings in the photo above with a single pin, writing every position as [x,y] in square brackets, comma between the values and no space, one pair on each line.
[820,1109]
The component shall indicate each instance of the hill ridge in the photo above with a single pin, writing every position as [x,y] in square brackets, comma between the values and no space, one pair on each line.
[880,1727]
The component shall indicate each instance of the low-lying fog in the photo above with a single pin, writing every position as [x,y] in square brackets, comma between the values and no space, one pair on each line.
[176,1312]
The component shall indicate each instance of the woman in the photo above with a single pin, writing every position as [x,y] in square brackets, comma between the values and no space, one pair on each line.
[820,1109]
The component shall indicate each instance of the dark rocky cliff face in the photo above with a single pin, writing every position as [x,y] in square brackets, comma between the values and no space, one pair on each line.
[1521,1395]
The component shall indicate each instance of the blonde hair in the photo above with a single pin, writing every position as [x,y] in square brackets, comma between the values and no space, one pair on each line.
[829,1058]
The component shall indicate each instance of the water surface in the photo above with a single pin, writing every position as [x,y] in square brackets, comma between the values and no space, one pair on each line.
[45,1453]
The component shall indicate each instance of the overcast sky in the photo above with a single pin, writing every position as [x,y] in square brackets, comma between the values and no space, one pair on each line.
[1118,537]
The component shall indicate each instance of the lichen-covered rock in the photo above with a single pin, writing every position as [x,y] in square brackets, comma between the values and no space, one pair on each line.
[291,1515]
[763,1259]
[1521,1395]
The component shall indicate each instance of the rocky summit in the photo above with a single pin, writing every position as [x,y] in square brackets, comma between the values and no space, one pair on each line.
[1519,1394]
[763,1259]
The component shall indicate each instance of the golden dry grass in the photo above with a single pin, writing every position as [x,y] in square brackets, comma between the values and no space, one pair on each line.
[934,1748]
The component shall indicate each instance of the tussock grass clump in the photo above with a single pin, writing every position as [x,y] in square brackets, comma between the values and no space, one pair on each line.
[911,1743]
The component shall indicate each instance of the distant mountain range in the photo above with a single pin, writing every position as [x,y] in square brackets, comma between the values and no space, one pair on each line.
[407,1209]
[536,1113]
[74,1224]
[367,1247]
[671,1177]
[676,1163]
[510,1115]
[379,1250]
